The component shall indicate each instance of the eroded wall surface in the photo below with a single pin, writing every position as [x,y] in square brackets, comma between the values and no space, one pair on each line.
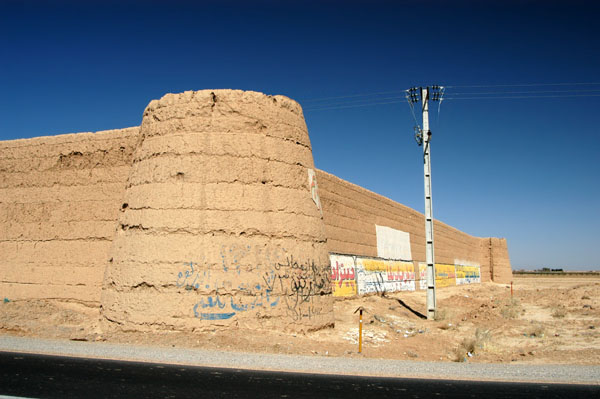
[353,218]
[220,227]
[59,201]
[495,256]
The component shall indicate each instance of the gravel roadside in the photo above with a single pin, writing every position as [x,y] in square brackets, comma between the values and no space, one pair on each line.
[308,364]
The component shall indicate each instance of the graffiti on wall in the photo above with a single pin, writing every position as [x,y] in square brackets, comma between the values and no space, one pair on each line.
[343,275]
[220,304]
[392,243]
[279,280]
[300,282]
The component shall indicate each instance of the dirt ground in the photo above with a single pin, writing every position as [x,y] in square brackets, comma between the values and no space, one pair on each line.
[548,320]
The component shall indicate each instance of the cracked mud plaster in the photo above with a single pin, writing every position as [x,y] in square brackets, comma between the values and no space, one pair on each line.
[59,200]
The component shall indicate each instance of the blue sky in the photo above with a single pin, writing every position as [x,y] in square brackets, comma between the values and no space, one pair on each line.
[521,168]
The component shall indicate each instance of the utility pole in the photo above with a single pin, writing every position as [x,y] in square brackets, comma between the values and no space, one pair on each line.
[429,254]
[423,137]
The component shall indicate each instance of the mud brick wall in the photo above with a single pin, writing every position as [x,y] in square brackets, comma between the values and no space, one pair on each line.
[207,215]
[351,212]
[59,201]
[218,226]
[495,259]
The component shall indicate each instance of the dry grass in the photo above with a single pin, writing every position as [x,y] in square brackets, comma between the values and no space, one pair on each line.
[536,330]
[482,336]
[469,346]
[447,326]
[512,309]
[559,312]
[458,355]
[441,314]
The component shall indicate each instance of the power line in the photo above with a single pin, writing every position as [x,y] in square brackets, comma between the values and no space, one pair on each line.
[360,100]
[352,95]
[375,98]
[343,106]
[446,86]
[529,85]
[355,106]
[527,92]
[511,97]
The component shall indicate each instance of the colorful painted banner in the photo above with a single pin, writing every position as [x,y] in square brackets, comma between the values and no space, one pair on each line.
[378,275]
[467,274]
[343,275]
[353,275]
[422,276]
[445,275]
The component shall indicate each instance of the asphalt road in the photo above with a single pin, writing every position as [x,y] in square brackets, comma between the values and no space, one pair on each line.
[315,364]
[44,376]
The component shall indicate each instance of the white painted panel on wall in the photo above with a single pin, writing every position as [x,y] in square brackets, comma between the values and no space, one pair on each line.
[314,189]
[392,243]
[464,262]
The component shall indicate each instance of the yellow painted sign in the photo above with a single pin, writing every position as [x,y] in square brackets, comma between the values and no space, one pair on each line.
[467,274]
[343,277]
[354,275]
[445,275]
[395,270]
[379,275]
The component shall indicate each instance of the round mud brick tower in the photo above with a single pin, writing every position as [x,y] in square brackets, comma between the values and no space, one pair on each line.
[221,223]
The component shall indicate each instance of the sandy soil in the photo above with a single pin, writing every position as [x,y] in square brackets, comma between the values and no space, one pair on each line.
[548,320]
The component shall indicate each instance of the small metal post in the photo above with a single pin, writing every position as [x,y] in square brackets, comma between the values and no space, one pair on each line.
[360,324]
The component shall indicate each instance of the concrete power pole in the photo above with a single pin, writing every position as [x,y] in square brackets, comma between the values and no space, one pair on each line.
[424,138]
[429,253]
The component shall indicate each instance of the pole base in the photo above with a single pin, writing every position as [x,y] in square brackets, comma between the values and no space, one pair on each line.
[431,315]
